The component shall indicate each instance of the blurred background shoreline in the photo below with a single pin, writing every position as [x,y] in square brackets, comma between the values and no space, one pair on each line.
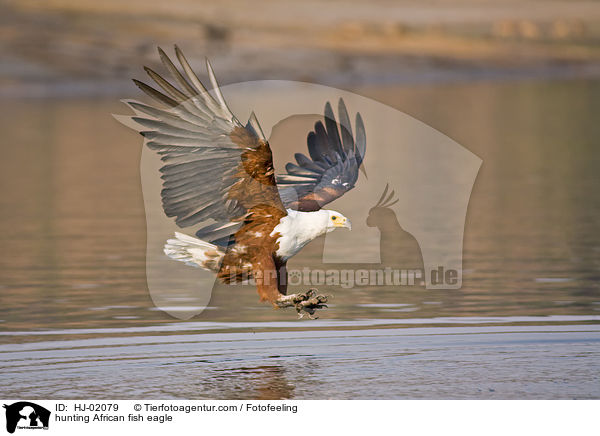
[76,48]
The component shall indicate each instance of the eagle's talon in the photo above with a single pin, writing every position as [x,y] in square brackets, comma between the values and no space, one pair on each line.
[304,303]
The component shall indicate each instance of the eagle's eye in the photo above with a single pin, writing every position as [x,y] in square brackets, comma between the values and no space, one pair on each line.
[334,218]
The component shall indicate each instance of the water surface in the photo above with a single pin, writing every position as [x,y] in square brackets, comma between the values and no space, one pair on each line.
[74,301]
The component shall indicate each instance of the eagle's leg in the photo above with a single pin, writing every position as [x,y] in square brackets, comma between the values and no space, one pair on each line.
[305,303]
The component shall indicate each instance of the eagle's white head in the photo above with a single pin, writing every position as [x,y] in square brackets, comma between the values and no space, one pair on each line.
[299,228]
[336,220]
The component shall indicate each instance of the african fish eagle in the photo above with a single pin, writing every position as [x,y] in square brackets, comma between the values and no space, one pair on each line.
[219,171]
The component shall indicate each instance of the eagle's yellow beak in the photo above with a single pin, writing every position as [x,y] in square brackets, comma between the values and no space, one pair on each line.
[344,222]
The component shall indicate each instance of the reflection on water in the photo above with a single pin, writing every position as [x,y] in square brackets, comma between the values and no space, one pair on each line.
[72,227]
[268,381]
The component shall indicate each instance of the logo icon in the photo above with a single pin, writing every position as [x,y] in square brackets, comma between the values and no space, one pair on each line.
[26,415]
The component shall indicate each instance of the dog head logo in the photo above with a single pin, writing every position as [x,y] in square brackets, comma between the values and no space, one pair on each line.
[26,415]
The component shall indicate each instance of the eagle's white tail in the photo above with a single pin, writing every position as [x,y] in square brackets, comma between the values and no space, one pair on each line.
[194,252]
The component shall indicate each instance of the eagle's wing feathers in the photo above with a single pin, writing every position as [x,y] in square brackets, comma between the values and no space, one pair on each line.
[214,167]
[332,168]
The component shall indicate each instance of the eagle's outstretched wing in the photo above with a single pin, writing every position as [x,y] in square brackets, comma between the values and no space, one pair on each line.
[332,169]
[214,167]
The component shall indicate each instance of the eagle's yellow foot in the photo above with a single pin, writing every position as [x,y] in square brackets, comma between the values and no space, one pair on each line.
[305,303]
